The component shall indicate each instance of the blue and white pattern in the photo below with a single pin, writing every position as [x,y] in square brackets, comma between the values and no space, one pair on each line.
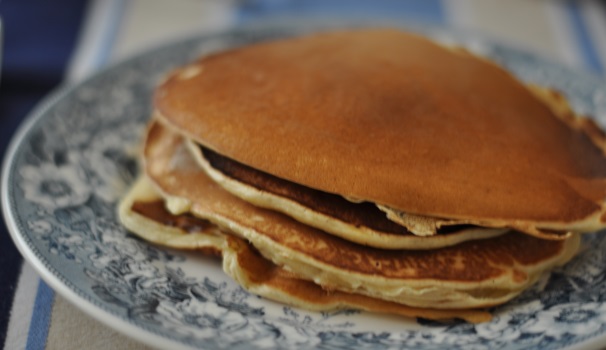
[77,156]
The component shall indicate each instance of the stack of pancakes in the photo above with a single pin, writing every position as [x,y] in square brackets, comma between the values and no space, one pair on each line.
[369,168]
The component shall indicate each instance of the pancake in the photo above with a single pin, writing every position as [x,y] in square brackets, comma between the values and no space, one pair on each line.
[185,232]
[473,274]
[361,223]
[140,213]
[393,119]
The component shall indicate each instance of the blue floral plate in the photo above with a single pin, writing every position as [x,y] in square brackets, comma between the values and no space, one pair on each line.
[76,155]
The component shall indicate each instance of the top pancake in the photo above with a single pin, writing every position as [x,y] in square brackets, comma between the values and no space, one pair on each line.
[395,119]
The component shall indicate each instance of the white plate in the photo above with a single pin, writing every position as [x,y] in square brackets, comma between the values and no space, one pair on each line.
[76,155]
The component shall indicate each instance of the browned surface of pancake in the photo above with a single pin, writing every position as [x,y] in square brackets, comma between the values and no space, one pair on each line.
[359,223]
[358,214]
[391,118]
[363,214]
[482,261]
[155,209]
[262,272]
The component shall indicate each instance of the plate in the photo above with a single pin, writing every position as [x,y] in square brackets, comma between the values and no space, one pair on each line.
[77,154]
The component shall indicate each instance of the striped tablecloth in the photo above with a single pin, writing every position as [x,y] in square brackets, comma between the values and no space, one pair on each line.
[51,43]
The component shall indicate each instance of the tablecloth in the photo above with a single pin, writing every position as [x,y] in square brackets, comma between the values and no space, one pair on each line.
[49,44]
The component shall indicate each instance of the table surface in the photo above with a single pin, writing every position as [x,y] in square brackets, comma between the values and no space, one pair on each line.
[82,37]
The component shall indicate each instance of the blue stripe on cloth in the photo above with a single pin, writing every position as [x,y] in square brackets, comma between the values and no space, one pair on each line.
[38,328]
[409,10]
[589,54]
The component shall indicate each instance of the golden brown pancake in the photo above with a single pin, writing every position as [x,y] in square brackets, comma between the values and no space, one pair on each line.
[355,231]
[362,223]
[394,119]
[478,273]
[142,211]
